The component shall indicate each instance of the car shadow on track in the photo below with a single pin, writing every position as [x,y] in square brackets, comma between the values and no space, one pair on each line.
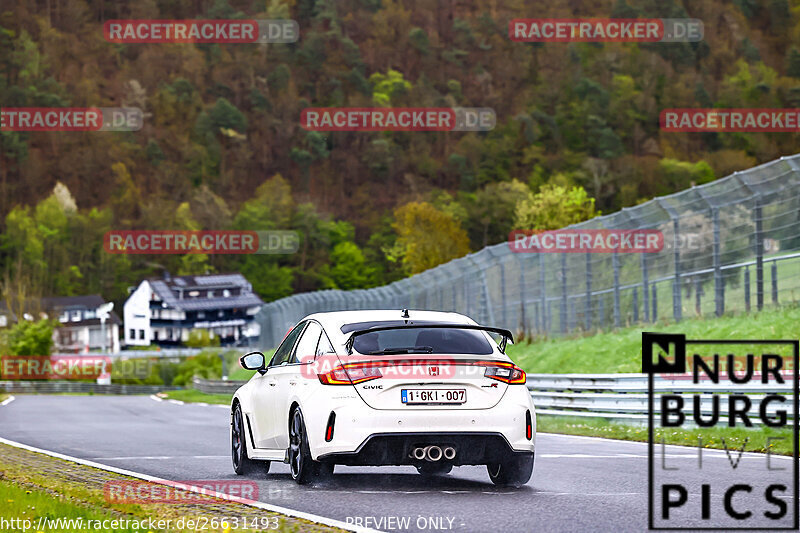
[406,482]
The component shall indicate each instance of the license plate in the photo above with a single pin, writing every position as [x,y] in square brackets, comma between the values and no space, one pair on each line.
[430,396]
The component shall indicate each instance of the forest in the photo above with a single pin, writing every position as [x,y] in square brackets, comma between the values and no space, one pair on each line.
[222,145]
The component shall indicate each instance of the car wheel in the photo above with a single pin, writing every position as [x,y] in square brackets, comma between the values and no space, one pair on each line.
[434,469]
[304,468]
[513,471]
[241,463]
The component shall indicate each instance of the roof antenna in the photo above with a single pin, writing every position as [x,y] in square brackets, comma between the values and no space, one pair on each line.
[405,313]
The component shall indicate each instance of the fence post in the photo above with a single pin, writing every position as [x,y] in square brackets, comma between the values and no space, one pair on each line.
[759,255]
[523,322]
[503,300]
[697,288]
[645,289]
[676,285]
[563,312]
[775,282]
[587,317]
[747,288]
[543,289]
[601,311]
[572,315]
[635,305]
[615,263]
[719,285]
[654,299]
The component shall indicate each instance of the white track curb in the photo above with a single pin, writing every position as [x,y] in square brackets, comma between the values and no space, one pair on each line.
[260,505]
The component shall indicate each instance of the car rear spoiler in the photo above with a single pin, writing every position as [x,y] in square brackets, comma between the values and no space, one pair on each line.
[508,337]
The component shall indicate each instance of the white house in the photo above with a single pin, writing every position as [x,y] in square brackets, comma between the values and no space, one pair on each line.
[164,310]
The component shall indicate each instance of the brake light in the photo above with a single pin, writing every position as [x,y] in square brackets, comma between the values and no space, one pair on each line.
[349,375]
[505,372]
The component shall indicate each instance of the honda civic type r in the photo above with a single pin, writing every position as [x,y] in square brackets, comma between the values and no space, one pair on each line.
[427,389]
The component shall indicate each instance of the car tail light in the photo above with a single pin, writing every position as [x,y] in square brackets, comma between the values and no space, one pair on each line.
[505,372]
[350,375]
[329,427]
[528,425]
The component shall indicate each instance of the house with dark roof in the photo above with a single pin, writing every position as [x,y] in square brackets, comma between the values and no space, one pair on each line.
[163,311]
[82,328]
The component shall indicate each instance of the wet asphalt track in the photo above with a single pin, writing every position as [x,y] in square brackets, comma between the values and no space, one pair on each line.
[579,484]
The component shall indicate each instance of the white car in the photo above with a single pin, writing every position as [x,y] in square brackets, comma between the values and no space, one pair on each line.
[391,387]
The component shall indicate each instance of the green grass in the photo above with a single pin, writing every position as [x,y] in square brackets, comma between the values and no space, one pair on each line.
[195,396]
[754,440]
[29,504]
[620,351]
[3,396]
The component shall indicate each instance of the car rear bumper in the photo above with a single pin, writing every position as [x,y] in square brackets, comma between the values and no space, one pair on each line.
[396,449]
[370,436]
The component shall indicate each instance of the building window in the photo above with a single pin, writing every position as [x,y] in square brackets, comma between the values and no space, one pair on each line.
[141,334]
[89,314]
[201,314]
[64,317]
[226,293]
[132,334]
[76,316]
[210,294]
[155,313]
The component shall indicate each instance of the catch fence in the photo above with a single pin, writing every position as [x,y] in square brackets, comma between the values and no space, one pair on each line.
[729,245]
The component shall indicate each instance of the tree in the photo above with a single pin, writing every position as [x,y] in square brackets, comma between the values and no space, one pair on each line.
[554,207]
[426,237]
[31,338]
[349,269]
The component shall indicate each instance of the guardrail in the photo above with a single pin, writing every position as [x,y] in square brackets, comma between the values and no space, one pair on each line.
[56,387]
[620,397]
[624,396]
[216,386]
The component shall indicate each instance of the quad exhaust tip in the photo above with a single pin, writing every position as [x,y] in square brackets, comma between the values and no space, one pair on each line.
[433,453]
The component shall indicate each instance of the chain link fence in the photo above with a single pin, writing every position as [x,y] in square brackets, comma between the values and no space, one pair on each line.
[729,245]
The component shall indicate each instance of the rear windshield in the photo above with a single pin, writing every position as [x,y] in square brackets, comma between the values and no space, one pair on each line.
[423,340]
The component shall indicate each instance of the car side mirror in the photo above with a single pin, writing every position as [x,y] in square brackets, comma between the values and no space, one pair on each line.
[254,361]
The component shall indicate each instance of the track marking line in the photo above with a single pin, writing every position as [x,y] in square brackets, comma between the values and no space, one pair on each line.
[160,457]
[7,400]
[259,505]
[179,402]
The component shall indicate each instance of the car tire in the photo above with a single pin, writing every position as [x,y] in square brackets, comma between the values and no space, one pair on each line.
[304,469]
[513,471]
[434,469]
[241,463]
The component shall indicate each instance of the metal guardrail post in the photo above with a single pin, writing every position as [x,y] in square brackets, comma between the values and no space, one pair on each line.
[635,305]
[522,296]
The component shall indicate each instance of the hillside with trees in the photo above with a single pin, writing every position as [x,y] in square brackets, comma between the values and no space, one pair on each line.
[222,146]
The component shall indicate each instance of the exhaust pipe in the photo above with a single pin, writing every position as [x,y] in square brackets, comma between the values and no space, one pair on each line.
[419,453]
[434,453]
[449,453]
